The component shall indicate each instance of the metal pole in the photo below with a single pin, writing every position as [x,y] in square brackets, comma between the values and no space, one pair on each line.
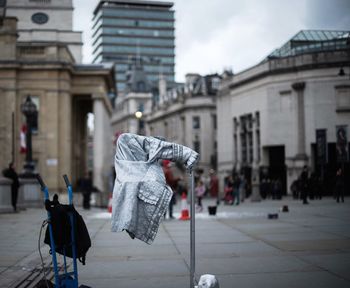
[192,235]
[13,137]
[52,240]
[73,226]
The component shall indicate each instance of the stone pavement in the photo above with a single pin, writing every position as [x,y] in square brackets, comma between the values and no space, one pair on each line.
[307,247]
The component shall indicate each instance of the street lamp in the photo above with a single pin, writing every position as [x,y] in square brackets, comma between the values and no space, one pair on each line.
[342,72]
[28,108]
[138,115]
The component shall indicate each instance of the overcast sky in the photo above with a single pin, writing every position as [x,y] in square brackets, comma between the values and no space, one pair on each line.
[231,34]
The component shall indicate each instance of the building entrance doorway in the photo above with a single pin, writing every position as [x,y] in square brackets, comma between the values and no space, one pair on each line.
[82,137]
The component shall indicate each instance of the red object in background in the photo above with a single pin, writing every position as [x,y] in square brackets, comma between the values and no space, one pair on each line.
[110,204]
[184,208]
[23,144]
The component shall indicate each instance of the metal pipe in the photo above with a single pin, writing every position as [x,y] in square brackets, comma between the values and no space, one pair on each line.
[192,235]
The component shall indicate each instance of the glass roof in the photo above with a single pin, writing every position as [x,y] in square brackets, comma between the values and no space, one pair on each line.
[307,41]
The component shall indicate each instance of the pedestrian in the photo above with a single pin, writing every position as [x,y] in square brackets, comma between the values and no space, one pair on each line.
[11,173]
[236,184]
[339,185]
[200,191]
[228,198]
[85,186]
[214,185]
[278,189]
[172,182]
[304,179]
[242,188]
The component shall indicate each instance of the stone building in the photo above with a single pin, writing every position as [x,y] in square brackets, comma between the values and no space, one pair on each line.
[268,115]
[48,21]
[186,115]
[132,107]
[64,92]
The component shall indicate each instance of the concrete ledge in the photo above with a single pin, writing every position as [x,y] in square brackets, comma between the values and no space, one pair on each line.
[30,194]
[5,195]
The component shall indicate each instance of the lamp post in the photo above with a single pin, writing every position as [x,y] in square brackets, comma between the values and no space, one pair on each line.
[343,73]
[29,110]
[138,115]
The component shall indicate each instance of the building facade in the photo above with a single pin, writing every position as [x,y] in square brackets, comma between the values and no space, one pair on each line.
[64,93]
[187,115]
[126,30]
[133,107]
[46,21]
[268,115]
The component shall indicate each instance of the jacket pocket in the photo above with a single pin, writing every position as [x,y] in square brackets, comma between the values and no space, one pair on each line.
[151,192]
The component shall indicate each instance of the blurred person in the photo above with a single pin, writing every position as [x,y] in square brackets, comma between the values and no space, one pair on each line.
[172,182]
[339,185]
[228,190]
[236,185]
[85,186]
[242,188]
[214,185]
[199,191]
[294,187]
[263,188]
[304,179]
[11,173]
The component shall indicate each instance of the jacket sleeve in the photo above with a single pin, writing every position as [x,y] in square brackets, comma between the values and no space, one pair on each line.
[160,149]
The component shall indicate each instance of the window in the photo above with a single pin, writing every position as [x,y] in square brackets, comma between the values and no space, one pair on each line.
[196,122]
[342,98]
[197,146]
[141,107]
[214,122]
[36,101]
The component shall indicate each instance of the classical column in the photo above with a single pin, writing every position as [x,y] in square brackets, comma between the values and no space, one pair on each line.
[239,147]
[102,152]
[255,164]
[98,152]
[299,87]
[295,164]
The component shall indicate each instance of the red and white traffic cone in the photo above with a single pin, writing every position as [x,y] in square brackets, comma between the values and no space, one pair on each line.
[184,208]
[110,204]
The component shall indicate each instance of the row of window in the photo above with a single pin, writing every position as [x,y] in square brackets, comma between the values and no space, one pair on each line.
[127,59]
[138,23]
[121,68]
[150,77]
[134,32]
[133,50]
[164,15]
[245,135]
[134,41]
[196,122]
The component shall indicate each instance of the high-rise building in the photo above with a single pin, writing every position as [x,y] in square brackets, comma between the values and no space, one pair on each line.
[128,31]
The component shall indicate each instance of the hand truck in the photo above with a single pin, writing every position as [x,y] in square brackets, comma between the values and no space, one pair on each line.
[66,279]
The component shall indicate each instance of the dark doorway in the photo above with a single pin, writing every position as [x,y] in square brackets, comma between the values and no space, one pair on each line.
[277,168]
[82,105]
[330,168]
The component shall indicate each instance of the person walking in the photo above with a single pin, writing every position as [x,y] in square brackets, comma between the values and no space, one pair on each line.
[236,185]
[339,185]
[11,173]
[214,186]
[86,187]
[228,190]
[172,182]
[304,178]
[200,191]
[242,188]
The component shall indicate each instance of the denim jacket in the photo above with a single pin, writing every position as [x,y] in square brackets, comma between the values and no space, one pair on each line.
[141,195]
